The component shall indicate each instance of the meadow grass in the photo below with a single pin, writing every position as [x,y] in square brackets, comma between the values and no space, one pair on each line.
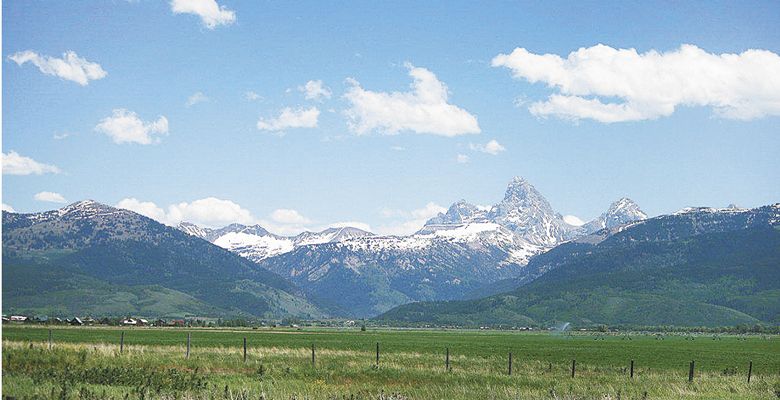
[86,363]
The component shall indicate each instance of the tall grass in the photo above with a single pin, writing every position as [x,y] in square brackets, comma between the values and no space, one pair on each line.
[280,369]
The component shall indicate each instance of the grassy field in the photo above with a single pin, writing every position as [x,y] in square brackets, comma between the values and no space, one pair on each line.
[86,363]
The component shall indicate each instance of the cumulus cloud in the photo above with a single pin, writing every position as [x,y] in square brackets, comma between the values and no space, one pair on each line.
[8,208]
[649,85]
[145,208]
[210,212]
[288,216]
[125,126]
[408,222]
[196,98]
[491,147]
[315,90]
[70,67]
[291,118]
[50,197]
[210,13]
[16,164]
[573,220]
[424,109]
[462,159]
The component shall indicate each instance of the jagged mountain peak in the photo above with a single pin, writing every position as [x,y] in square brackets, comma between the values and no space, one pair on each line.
[620,212]
[521,189]
[459,212]
[623,211]
[86,206]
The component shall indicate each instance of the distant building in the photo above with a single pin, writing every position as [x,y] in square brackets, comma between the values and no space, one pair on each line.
[76,321]
[18,318]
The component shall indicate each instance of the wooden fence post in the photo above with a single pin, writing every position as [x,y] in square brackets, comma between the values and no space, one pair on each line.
[244,349]
[632,369]
[187,355]
[49,339]
[750,370]
[377,354]
[312,355]
[573,366]
[121,342]
[447,360]
[690,372]
[510,363]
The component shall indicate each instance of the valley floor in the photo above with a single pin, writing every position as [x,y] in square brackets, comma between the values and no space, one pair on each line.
[86,363]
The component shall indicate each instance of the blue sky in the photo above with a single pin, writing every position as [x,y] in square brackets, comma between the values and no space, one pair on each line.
[716,146]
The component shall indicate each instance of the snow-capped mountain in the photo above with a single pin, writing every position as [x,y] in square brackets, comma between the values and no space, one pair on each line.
[528,214]
[256,243]
[452,254]
[619,213]
[455,252]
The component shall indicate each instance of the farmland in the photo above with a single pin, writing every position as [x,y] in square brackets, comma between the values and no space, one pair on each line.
[87,363]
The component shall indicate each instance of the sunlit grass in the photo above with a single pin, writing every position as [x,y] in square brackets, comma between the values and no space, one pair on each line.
[279,367]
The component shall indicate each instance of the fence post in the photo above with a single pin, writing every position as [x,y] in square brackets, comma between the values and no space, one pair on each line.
[187,355]
[573,366]
[447,360]
[312,355]
[377,354]
[510,363]
[121,342]
[49,339]
[245,350]
[632,369]
[690,372]
[750,370]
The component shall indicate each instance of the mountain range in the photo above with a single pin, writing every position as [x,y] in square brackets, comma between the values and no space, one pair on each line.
[357,273]
[89,258]
[515,262]
[700,266]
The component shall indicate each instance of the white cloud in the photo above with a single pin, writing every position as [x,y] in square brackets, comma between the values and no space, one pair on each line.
[291,118]
[649,85]
[408,222]
[60,136]
[397,148]
[573,220]
[70,67]
[252,96]
[211,13]
[16,164]
[145,208]
[462,159]
[491,147]
[196,98]
[210,212]
[50,197]
[315,90]
[124,126]
[422,110]
[288,216]
[8,208]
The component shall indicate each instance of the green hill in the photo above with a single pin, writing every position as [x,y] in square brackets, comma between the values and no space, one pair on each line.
[88,258]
